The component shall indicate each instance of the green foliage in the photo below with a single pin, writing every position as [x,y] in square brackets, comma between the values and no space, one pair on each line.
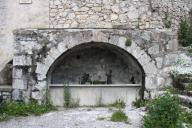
[188,87]
[67,96]
[118,104]
[119,116]
[185,32]
[163,112]
[140,103]
[74,103]
[186,117]
[10,109]
[68,101]
[128,42]
[167,20]
[171,90]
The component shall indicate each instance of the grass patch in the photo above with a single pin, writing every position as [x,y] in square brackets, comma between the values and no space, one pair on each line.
[14,109]
[119,116]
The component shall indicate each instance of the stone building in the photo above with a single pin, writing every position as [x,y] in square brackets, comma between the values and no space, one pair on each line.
[103,49]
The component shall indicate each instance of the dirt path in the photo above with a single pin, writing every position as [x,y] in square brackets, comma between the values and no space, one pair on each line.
[76,118]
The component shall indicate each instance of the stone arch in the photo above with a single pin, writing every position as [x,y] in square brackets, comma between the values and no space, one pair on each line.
[70,39]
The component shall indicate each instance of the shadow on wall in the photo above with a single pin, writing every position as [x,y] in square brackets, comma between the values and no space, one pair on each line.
[6,74]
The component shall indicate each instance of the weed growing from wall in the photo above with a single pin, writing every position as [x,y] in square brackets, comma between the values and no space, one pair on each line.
[67,96]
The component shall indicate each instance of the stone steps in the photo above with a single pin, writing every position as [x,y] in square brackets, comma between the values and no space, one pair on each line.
[186,100]
[5,93]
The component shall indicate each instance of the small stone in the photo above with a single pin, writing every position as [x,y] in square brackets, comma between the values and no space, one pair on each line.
[97,9]
[115,9]
[114,16]
[74,24]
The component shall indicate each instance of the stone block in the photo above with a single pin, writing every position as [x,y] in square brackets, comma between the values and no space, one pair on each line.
[41,68]
[172,45]
[25,1]
[154,50]
[17,73]
[22,60]
[159,61]
[150,68]
[19,84]
[170,59]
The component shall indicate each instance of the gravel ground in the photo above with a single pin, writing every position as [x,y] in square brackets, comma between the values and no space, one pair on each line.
[77,118]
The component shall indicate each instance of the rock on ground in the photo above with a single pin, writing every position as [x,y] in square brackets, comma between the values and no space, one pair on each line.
[77,118]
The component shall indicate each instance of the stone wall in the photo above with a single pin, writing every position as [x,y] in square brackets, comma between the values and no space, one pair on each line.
[37,50]
[15,15]
[114,13]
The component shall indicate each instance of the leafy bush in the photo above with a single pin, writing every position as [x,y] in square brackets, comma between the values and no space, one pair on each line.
[171,90]
[119,116]
[185,32]
[163,112]
[167,20]
[128,43]
[68,101]
[186,117]
[67,96]
[23,109]
[189,87]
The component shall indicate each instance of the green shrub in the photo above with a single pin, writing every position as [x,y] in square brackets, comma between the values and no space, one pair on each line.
[67,96]
[185,32]
[128,42]
[163,112]
[10,109]
[119,116]
[171,90]
[167,20]
[189,87]
[68,101]
[186,117]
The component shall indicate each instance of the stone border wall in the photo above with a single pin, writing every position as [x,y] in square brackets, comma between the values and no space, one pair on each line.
[140,14]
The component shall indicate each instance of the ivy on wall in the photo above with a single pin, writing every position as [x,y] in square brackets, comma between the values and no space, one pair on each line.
[185,31]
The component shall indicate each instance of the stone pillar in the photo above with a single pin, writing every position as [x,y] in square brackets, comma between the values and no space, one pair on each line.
[21,67]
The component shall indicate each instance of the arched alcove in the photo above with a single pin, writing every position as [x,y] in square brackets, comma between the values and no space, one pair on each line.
[94,70]
[102,63]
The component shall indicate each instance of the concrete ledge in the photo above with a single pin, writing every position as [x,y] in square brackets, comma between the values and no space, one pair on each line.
[89,95]
[97,85]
